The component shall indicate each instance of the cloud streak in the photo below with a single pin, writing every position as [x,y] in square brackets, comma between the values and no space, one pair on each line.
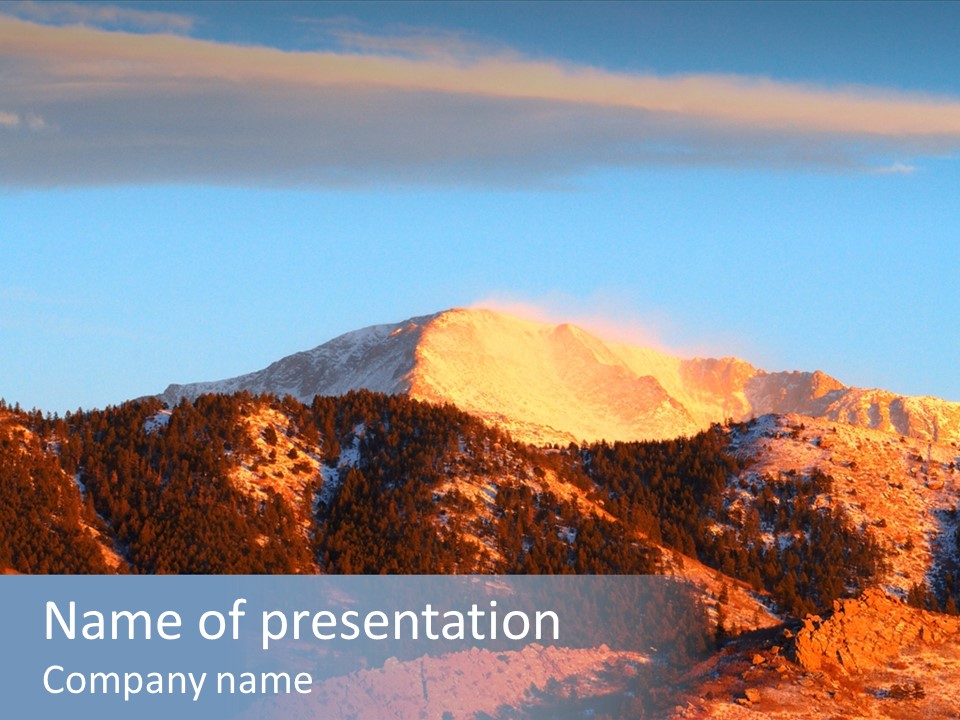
[133,108]
[896,168]
[9,119]
[110,16]
[32,121]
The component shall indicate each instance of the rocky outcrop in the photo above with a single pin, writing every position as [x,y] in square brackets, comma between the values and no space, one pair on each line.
[867,632]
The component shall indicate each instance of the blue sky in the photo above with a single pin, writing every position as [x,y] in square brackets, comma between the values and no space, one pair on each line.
[190,191]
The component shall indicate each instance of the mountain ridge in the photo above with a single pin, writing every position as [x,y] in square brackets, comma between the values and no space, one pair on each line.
[557,383]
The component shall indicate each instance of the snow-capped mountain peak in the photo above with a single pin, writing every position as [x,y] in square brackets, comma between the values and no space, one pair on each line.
[557,383]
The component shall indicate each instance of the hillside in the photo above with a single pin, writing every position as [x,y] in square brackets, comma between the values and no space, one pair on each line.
[766,520]
[359,483]
[47,520]
[550,384]
[373,483]
[904,492]
[805,510]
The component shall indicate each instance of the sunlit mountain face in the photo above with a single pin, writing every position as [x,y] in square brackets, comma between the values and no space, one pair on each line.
[557,383]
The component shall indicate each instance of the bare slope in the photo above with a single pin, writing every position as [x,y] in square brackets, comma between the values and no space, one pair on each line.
[558,383]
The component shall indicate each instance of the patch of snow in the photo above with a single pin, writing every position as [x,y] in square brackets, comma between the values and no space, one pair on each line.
[81,485]
[157,421]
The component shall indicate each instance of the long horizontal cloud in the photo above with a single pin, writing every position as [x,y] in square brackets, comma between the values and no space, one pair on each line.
[129,108]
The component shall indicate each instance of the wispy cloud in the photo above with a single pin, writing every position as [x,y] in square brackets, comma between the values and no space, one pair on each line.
[36,123]
[107,16]
[896,168]
[135,108]
[31,120]
[419,44]
[603,314]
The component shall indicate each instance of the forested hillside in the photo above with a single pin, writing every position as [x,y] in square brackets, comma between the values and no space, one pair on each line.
[370,483]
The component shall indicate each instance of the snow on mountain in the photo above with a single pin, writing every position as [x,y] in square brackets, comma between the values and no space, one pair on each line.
[903,491]
[550,383]
[378,358]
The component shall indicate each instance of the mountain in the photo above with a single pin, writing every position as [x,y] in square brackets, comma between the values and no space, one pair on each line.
[372,483]
[547,383]
[783,514]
